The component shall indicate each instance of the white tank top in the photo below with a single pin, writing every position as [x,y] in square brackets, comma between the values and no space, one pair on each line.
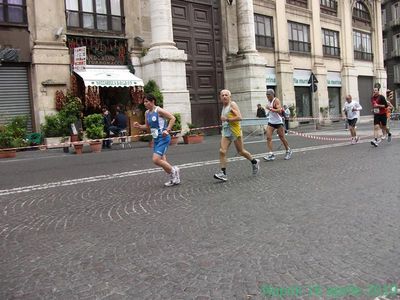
[274,117]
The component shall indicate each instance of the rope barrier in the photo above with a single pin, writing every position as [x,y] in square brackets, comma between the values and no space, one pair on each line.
[119,138]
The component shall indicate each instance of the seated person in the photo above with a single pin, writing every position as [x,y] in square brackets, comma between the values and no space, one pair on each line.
[119,123]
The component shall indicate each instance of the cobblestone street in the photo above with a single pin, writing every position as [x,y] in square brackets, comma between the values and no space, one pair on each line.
[326,219]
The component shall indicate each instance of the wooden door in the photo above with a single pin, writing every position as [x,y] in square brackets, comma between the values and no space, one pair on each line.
[197,31]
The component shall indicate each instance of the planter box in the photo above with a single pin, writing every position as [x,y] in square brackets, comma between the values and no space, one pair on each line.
[174,140]
[95,146]
[55,142]
[193,139]
[8,153]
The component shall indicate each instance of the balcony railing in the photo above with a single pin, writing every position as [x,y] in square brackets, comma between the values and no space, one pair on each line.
[298,46]
[394,22]
[264,41]
[329,7]
[331,51]
[301,3]
[360,55]
[395,53]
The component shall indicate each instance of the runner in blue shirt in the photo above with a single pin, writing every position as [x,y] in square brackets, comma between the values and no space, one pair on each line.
[156,119]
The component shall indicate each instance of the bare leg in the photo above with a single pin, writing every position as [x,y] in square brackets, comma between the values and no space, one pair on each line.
[225,143]
[352,131]
[281,133]
[270,131]
[376,131]
[240,149]
[162,162]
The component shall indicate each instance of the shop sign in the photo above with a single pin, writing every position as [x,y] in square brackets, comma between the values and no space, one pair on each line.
[301,77]
[334,79]
[113,83]
[79,58]
[270,77]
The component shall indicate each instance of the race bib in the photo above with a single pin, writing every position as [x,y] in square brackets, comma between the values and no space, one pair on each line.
[376,110]
[154,132]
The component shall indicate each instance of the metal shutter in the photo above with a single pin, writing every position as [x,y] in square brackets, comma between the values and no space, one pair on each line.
[14,94]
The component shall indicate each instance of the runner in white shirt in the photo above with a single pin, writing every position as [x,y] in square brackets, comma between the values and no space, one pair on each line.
[352,110]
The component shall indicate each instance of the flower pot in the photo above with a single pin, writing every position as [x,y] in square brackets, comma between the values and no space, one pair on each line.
[78,148]
[8,153]
[95,146]
[193,139]
[74,138]
[174,140]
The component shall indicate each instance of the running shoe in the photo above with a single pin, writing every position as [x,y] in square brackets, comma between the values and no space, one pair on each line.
[357,139]
[353,141]
[174,177]
[270,157]
[256,167]
[288,154]
[389,137]
[374,143]
[221,176]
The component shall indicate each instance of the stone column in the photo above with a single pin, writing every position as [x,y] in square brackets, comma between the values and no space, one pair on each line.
[165,63]
[377,49]
[284,67]
[245,71]
[246,33]
[349,73]
[50,56]
[320,98]
[161,24]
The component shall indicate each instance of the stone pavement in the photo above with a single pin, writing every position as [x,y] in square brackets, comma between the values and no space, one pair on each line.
[323,224]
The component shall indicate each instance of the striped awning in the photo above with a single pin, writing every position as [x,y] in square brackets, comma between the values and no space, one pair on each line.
[115,76]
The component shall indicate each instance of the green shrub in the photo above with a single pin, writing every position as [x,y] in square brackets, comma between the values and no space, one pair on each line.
[178,123]
[151,87]
[94,126]
[12,135]
[54,126]
[192,131]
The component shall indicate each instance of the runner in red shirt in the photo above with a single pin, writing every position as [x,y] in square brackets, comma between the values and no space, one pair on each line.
[379,105]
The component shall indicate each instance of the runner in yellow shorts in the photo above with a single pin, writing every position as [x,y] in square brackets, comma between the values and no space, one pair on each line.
[232,132]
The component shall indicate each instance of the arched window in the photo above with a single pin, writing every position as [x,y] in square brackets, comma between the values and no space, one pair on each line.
[361,13]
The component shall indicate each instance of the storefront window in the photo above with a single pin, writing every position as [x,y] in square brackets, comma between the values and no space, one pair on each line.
[303,101]
[13,11]
[102,15]
[334,102]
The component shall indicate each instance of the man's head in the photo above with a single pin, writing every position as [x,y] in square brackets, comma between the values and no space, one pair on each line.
[375,91]
[225,96]
[258,105]
[270,94]
[348,98]
[284,106]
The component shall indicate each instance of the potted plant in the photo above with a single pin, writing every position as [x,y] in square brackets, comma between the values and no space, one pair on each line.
[78,144]
[71,113]
[176,129]
[94,131]
[55,130]
[12,135]
[293,114]
[193,136]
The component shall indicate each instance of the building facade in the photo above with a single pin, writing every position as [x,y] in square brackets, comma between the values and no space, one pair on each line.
[391,47]
[193,49]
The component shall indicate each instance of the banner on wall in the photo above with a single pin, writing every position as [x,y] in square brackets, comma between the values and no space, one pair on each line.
[270,77]
[301,77]
[334,79]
